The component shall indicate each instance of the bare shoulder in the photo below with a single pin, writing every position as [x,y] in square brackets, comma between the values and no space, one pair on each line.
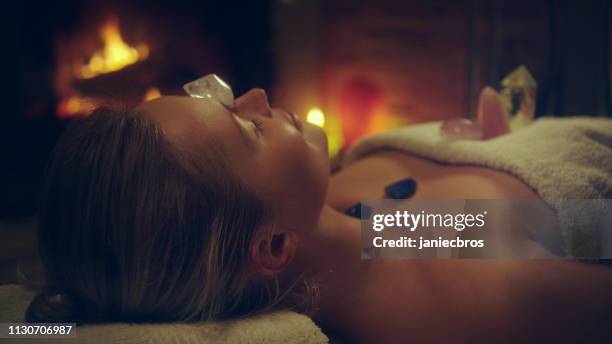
[366,179]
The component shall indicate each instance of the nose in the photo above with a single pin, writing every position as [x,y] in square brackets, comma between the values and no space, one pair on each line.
[253,102]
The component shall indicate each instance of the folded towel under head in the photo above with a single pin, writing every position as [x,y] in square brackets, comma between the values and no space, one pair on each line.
[277,327]
[562,159]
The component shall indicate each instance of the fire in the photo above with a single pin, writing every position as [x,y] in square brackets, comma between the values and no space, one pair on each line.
[152,93]
[115,54]
[73,105]
[316,117]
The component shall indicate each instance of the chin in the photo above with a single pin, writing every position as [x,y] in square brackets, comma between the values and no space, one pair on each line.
[316,137]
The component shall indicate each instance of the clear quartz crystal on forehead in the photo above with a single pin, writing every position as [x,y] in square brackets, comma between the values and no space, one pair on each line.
[212,87]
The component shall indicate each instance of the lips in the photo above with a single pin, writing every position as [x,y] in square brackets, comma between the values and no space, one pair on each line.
[293,118]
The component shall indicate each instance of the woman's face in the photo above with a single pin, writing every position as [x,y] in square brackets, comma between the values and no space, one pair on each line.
[284,161]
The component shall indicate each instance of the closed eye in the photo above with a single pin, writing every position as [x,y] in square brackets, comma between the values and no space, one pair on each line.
[258,126]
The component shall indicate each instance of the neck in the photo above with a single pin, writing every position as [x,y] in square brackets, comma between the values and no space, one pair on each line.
[325,253]
[335,236]
[331,246]
[335,239]
[331,256]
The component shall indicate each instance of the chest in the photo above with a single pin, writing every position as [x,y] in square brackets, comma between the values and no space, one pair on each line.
[367,178]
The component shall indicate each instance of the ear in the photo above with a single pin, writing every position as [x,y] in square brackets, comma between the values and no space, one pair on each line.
[270,256]
[492,114]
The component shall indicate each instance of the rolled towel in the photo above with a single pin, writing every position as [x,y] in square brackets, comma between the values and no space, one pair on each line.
[276,327]
[562,159]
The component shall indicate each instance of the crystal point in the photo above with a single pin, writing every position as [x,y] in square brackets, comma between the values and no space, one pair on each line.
[520,77]
[492,115]
[212,87]
[519,95]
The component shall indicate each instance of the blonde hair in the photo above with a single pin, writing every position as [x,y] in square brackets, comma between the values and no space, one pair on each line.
[133,229]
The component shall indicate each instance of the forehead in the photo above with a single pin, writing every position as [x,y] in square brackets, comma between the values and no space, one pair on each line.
[193,124]
[182,115]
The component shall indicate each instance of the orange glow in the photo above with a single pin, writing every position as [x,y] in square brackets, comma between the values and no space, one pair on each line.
[115,54]
[73,105]
[152,93]
[361,107]
[316,117]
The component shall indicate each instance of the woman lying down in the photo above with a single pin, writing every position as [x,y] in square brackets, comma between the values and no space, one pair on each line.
[191,208]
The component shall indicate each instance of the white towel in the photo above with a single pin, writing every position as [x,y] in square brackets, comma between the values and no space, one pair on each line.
[277,327]
[561,159]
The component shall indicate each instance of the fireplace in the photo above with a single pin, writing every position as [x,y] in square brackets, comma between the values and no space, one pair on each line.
[127,56]
[78,54]
[354,68]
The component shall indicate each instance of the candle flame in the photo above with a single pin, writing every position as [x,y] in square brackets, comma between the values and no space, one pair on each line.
[316,117]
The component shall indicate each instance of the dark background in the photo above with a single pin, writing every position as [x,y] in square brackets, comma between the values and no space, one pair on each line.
[574,72]
[243,29]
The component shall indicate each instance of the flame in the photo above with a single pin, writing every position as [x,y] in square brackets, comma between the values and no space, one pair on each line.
[115,55]
[74,105]
[152,93]
[316,117]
